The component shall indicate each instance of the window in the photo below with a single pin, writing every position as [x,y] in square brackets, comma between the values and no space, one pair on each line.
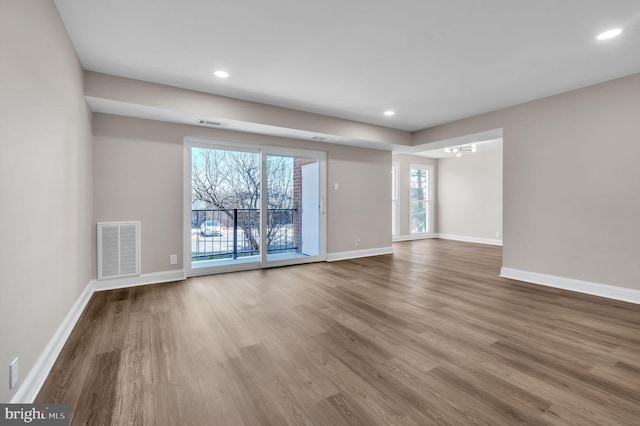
[394,199]
[420,199]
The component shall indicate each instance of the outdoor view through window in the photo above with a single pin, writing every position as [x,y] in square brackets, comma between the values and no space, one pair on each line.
[226,201]
[420,200]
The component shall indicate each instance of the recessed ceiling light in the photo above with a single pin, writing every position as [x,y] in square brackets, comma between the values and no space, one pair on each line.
[610,34]
[221,74]
[389,113]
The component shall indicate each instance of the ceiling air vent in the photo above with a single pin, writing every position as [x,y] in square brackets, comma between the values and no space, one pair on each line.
[211,123]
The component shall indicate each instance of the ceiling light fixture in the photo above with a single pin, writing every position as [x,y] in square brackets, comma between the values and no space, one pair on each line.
[610,34]
[389,113]
[221,74]
[459,149]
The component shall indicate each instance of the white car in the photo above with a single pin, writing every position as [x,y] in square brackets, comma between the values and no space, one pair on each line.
[210,228]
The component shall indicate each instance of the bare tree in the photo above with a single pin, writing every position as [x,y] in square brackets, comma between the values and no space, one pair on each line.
[279,196]
[228,180]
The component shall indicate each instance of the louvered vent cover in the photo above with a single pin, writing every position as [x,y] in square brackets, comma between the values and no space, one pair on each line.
[118,249]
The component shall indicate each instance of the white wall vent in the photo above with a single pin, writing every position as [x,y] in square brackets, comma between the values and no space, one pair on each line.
[118,249]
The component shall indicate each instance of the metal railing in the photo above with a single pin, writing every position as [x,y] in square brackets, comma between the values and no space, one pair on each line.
[234,233]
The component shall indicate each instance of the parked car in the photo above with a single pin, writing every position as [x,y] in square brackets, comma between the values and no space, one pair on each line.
[210,228]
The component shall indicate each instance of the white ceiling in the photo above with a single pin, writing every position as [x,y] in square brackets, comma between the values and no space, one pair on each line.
[430,61]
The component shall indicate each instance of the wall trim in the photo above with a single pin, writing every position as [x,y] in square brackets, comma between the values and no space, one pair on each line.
[344,255]
[413,237]
[35,378]
[595,289]
[143,279]
[490,241]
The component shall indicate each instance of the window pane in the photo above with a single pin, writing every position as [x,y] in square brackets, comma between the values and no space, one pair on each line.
[293,207]
[394,183]
[419,184]
[393,217]
[418,216]
[225,206]
[419,193]
[394,198]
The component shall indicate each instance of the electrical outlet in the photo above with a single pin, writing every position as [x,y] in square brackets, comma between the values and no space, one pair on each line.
[13,373]
[498,234]
[336,186]
[357,241]
[173,259]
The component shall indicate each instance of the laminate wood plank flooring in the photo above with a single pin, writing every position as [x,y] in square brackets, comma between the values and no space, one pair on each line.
[430,335]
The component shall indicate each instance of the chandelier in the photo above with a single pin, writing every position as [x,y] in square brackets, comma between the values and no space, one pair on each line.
[458,150]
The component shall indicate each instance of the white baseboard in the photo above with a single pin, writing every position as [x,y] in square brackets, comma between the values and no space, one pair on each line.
[586,287]
[413,237]
[34,380]
[344,255]
[143,279]
[490,241]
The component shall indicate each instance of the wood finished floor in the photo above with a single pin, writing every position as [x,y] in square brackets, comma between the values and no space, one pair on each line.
[429,335]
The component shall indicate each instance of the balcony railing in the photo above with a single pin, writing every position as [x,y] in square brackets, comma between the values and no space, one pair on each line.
[234,233]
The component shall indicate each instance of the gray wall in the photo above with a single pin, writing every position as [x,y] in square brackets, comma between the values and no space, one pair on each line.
[571,193]
[470,195]
[139,176]
[45,182]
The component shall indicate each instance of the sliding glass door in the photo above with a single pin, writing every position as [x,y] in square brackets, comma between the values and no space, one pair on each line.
[250,208]
[293,207]
[224,207]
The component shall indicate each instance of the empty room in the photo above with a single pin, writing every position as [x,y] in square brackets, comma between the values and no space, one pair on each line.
[319,213]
